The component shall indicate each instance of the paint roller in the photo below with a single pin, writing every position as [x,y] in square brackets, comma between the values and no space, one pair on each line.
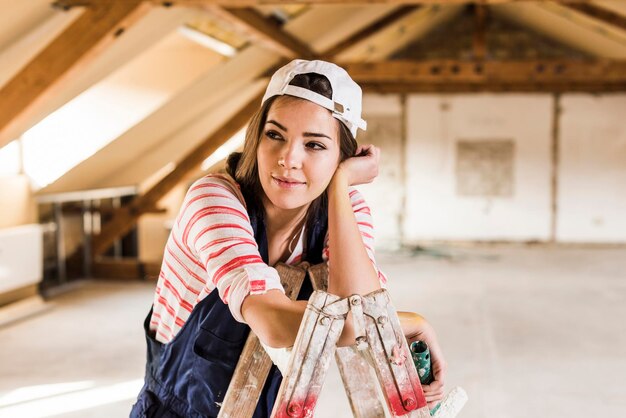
[451,405]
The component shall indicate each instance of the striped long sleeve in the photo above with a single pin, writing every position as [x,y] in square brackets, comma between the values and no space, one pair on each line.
[211,246]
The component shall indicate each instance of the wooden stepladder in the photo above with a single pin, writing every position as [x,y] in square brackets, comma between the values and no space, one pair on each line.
[380,344]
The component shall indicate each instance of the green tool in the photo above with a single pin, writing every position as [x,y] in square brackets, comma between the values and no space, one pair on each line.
[421,359]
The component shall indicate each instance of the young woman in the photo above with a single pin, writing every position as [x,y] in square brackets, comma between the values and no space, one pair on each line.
[286,198]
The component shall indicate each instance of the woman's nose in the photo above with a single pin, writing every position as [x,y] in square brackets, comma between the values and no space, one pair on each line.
[291,157]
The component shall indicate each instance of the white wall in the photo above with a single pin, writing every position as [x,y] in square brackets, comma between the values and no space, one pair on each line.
[17,204]
[435,124]
[592,169]
[428,205]
[385,195]
[21,256]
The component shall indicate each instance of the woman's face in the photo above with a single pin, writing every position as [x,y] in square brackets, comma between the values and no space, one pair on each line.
[298,152]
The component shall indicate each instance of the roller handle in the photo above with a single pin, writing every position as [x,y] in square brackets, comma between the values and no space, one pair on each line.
[421,359]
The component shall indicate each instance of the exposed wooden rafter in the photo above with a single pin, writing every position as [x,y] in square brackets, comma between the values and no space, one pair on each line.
[97,27]
[263,31]
[368,31]
[600,13]
[458,76]
[127,216]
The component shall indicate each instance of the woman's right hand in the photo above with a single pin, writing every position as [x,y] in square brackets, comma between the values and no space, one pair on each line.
[363,167]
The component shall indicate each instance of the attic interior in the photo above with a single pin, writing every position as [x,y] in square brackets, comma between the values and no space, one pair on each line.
[499,206]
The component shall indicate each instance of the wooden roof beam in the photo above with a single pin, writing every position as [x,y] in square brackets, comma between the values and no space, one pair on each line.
[494,87]
[368,31]
[442,71]
[456,76]
[600,13]
[72,50]
[127,216]
[263,31]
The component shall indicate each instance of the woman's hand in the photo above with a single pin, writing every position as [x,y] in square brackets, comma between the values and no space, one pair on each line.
[416,328]
[363,167]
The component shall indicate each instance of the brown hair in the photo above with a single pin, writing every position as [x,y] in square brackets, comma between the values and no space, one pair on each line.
[244,167]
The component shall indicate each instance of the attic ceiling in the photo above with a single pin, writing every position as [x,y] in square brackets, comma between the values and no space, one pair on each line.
[505,39]
[191,91]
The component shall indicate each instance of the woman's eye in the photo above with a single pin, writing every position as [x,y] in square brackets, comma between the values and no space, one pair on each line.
[273,135]
[315,145]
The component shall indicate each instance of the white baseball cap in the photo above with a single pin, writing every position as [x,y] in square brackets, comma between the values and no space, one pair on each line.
[345,104]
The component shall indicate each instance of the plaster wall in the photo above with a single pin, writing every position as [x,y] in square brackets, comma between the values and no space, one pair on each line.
[18,205]
[385,195]
[592,169]
[435,209]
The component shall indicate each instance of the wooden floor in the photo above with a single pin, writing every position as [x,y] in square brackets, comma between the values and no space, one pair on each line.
[526,331]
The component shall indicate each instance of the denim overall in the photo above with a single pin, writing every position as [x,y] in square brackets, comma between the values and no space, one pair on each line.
[188,377]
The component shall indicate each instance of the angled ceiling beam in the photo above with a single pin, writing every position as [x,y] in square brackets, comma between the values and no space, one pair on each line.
[263,31]
[368,31]
[600,13]
[95,29]
[127,216]
[451,75]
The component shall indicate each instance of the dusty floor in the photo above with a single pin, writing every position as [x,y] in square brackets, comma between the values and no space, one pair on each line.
[526,331]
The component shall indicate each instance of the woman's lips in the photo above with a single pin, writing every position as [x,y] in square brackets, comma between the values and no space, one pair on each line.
[287,183]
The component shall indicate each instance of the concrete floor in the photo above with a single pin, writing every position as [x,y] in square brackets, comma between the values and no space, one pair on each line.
[526,331]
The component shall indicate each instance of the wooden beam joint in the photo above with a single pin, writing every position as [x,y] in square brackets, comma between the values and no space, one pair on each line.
[368,31]
[263,31]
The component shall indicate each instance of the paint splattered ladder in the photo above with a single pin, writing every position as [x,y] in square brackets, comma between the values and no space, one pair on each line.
[380,344]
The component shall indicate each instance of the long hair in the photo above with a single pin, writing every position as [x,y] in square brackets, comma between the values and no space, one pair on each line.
[243,166]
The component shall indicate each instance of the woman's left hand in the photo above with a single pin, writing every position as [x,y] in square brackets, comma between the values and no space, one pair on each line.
[363,167]
[416,328]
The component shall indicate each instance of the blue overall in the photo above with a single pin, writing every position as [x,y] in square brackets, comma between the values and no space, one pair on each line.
[188,377]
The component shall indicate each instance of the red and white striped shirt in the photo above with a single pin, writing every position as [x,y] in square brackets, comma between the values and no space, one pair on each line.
[212,245]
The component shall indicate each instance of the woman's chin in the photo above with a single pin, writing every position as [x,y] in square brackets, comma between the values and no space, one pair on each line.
[289,201]
[288,204]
